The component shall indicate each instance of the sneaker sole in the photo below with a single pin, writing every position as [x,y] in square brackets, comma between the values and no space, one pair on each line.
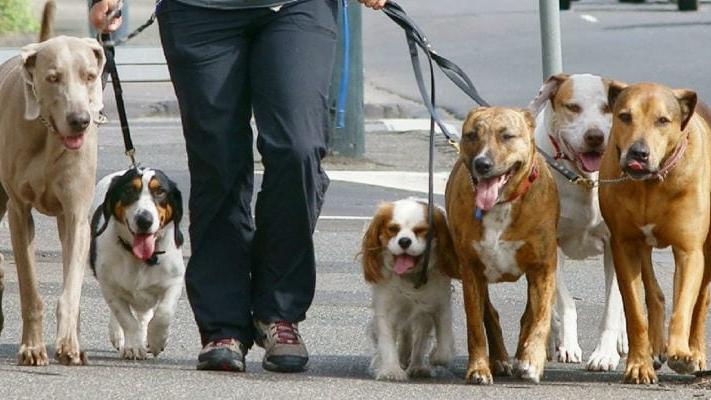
[228,366]
[286,364]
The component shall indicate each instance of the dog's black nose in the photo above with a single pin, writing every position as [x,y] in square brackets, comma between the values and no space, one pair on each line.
[639,151]
[483,165]
[144,221]
[78,121]
[404,242]
[594,137]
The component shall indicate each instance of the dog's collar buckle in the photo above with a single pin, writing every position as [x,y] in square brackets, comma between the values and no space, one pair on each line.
[559,155]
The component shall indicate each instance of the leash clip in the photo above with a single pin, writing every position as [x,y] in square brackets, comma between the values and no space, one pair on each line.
[454,144]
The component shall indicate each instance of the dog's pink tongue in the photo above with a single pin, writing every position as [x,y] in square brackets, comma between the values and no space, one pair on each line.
[487,192]
[143,246]
[635,165]
[73,142]
[403,263]
[591,161]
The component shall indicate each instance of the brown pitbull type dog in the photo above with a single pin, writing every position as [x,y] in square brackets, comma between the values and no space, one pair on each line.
[662,147]
[502,205]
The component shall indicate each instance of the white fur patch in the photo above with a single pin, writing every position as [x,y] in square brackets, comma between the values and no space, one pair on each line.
[649,235]
[498,256]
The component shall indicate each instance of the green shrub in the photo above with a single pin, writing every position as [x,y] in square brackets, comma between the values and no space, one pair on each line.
[16,16]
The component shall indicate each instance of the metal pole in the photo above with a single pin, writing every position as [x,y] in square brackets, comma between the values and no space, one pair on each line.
[550,37]
[349,140]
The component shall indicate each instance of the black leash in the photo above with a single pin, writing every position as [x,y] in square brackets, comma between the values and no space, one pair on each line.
[110,69]
[416,41]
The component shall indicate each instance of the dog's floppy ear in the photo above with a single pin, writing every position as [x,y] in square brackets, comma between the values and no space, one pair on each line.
[105,209]
[446,257]
[545,93]
[613,91]
[175,198]
[372,250]
[687,101]
[96,99]
[28,54]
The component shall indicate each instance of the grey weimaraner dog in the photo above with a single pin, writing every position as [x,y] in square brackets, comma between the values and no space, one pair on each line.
[50,97]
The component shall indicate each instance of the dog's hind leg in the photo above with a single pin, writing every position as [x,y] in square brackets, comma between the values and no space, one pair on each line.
[32,349]
[159,327]
[606,355]
[567,348]
[697,339]
[74,235]
[498,356]
[654,297]
[115,333]
[421,331]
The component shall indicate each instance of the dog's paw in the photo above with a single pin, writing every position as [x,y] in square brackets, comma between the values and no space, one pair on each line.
[67,353]
[156,343]
[684,363]
[116,338]
[623,346]
[441,356]
[391,373]
[480,375]
[606,355]
[502,368]
[527,370]
[419,372]
[134,353]
[569,354]
[640,371]
[32,355]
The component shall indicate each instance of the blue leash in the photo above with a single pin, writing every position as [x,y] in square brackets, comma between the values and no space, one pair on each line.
[345,71]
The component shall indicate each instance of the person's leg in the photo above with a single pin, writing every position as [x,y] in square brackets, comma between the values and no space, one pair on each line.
[290,71]
[207,54]
[291,62]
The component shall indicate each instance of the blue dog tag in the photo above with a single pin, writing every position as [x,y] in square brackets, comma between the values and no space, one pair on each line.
[478,214]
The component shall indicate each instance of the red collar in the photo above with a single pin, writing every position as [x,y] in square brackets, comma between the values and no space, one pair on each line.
[673,159]
[559,155]
[526,183]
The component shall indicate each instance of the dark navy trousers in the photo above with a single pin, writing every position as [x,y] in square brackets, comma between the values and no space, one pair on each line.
[226,65]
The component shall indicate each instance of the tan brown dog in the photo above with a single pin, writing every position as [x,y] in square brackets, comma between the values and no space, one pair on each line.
[660,144]
[502,205]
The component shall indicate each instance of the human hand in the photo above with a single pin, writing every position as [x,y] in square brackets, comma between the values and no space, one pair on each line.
[98,14]
[374,4]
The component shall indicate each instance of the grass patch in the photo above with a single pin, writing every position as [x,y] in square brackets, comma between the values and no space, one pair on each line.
[16,17]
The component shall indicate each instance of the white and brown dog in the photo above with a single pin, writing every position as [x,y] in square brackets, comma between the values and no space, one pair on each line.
[137,258]
[502,205]
[575,129]
[406,312]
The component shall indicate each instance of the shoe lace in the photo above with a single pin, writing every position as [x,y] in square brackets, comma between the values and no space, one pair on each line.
[285,332]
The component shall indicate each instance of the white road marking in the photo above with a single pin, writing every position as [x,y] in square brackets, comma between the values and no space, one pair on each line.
[589,18]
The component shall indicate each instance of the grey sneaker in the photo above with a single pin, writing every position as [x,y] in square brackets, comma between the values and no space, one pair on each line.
[284,349]
[222,355]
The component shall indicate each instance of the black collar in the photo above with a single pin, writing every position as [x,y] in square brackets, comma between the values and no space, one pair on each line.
[150,262]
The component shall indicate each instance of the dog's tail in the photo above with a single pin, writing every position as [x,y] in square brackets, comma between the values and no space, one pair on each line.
[47,28]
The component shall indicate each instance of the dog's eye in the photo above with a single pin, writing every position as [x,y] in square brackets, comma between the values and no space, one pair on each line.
[507,136]
[470,136]
[572,107]
[393,229]
[90,77]
[52,78]
[663,121]
[625,117]
[420,231]
[159,192]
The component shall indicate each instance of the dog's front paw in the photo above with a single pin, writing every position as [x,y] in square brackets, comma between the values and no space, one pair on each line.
[606,355]
[32,355]
[134,353]
[684,363]
[528,370]
[419,371]
[391,373]
[67,352]
[502,368]
[570,353]
[156,342]
[479,374]
[116,337]
[441,356]
[640,371]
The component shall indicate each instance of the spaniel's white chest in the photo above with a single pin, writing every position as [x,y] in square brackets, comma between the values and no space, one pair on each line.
[498,256]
